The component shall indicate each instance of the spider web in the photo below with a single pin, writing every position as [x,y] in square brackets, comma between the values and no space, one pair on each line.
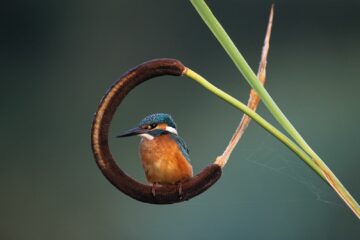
[291,168]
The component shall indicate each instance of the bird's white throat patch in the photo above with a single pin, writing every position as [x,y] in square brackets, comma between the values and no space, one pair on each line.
[171,129]
[147,136]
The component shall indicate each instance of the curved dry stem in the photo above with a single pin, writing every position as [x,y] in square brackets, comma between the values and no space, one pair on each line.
[253,100]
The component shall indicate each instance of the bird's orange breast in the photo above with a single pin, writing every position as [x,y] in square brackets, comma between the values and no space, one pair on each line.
[163,161]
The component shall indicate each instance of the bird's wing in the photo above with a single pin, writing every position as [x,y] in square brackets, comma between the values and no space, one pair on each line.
[183,147]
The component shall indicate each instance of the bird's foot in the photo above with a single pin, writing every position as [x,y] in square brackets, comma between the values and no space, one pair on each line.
[153,189]
[180,191]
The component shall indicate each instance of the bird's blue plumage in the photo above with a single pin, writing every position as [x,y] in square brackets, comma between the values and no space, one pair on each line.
[182,145]
[157,132]
[158,118]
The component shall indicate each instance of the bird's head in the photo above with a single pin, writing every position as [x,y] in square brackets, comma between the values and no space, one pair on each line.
[152,126]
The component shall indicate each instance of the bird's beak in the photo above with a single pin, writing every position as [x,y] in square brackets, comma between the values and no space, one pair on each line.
[133,132]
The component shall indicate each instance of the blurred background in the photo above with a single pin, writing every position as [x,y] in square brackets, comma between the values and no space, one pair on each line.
[59,57]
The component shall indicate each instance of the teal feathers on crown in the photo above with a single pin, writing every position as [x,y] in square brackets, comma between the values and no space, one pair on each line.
[158,118]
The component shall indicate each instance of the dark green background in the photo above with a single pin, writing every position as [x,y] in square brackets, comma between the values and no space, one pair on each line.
[57,59]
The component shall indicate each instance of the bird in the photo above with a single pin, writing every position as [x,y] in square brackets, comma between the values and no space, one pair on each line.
[164,154]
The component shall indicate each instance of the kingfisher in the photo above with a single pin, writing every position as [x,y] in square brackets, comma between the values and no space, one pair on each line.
[163,153]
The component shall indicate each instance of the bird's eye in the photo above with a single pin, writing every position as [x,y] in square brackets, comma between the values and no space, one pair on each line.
[150,126]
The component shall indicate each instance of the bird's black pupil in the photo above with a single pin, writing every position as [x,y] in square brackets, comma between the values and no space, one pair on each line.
[153,125]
